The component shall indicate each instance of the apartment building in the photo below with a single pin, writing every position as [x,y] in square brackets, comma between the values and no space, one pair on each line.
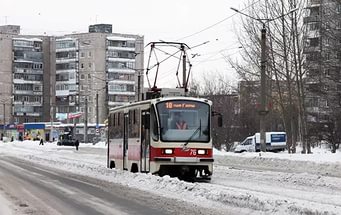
[96,71]
[323,60]
[25,71]
[48,77]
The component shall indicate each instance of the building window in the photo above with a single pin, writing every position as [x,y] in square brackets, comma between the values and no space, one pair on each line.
[82,77]
[82,54]
[314,26]
[89,54]
[314,42]
[327,72]
[90,64]
[82,65]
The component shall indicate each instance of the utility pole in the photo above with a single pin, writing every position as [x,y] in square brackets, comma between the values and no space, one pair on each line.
[86,121]
[263,111]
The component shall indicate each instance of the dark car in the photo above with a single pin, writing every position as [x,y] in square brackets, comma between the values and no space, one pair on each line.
[66,142]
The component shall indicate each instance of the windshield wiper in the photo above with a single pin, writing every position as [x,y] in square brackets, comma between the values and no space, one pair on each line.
[190,138]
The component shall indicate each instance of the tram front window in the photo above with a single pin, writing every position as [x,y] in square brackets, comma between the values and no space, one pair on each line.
[183,120]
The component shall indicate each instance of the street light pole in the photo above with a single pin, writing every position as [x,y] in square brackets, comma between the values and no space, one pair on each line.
[97,117]
[86,121]
[4,119]
[263,111]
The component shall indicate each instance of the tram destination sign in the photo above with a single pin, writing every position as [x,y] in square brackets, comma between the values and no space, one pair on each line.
[180,105]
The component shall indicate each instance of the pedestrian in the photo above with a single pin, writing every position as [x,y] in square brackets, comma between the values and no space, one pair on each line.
[77,144]
[41,142]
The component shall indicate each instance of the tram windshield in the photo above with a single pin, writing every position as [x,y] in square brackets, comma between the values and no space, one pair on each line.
[184,120]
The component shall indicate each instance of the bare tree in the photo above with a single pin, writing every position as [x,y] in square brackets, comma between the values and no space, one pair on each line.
[284,61]
[225,100]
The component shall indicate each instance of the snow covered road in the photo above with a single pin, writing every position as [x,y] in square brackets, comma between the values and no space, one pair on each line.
[241,184]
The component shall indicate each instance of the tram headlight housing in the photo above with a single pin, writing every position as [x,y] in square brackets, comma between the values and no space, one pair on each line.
[201,152]
[168,151]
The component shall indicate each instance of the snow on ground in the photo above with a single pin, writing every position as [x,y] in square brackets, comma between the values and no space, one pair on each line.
[90,160]
[320,154]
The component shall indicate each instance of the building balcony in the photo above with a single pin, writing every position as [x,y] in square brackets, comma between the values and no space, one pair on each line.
[28,71]
[27,61]
[125,93]
[23,92]
[62,92]
[121,70]
[123,82]
[69,49]
[116,48]
[117,59]
[70,81]
[117,103]
[33,103]
[63,71]
[23,81]
[66,60]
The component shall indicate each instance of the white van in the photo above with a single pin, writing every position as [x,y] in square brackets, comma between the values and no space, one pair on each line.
[275,141]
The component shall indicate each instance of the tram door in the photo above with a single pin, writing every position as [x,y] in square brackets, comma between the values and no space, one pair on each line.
[125,141]
[145,140]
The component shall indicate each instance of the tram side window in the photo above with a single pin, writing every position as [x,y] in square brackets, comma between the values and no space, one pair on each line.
[154,125]
[134,125]
[118,128]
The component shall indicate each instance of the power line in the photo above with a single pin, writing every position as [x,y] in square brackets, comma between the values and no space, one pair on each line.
[217,23]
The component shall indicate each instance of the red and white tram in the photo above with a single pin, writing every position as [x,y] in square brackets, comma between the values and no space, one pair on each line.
[145,137]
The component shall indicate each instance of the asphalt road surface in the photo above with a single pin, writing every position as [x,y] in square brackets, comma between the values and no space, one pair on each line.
[27,188]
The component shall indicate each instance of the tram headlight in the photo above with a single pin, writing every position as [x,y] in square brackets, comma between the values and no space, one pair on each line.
[168,151]
[201,151]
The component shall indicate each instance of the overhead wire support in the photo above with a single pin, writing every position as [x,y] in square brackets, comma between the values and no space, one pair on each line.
[179,54]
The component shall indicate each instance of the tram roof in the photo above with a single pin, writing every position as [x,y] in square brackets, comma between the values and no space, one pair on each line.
[160,99]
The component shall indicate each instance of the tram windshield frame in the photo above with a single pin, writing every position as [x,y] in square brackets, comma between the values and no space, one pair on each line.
[184,121]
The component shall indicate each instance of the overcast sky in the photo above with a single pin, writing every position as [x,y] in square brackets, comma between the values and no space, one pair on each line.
[168,20]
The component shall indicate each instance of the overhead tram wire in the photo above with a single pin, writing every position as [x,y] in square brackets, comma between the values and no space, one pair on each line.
[168,73]
[217,23]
